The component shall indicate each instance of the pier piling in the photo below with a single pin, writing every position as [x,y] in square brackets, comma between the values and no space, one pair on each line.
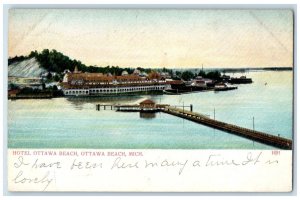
[98,107]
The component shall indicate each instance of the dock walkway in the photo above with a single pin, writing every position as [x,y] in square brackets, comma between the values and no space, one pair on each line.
[254,135]
[258,136]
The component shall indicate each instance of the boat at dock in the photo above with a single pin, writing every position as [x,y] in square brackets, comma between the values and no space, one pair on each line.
[241,80]
[172,92]
[224,87]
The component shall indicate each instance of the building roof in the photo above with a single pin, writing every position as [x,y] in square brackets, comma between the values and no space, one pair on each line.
[101,78]
[128,78]
[14,91]
[147,101]
[89,77]
[175,82]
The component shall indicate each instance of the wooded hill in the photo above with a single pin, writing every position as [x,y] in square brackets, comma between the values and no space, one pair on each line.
[55,61]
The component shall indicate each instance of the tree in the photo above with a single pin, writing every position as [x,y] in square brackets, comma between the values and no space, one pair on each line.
[49,75]
[178,73]
[16,59]
[55,61]
[214,75]
[33,54]
[202,73]
[187,75]
[13,86]
[56,78]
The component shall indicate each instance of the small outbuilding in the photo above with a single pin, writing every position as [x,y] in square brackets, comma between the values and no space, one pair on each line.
[147,104]
[13,93]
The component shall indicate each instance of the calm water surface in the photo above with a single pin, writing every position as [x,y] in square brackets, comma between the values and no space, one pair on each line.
[75,123]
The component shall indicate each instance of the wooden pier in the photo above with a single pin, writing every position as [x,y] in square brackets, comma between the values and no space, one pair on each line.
[130,107]
[99,106]
[258,136]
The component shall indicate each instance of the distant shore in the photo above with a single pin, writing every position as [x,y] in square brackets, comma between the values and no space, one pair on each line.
[237,70]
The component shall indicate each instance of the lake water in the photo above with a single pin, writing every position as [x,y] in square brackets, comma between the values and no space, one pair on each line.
[75,123]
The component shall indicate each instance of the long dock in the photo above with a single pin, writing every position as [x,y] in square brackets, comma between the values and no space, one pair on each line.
[258,136]
[254,135]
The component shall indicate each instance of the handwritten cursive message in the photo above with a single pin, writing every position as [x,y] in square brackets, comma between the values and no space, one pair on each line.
[44,170]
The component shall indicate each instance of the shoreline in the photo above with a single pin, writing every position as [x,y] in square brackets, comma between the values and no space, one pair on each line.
[111,95]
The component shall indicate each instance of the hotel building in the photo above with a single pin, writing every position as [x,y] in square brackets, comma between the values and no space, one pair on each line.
[98,84]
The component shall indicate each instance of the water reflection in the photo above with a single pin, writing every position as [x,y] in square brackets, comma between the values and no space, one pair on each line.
[78,102]
[147,115]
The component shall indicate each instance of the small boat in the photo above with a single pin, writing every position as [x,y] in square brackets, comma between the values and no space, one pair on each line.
[224,87]
[171,92]
[241,80]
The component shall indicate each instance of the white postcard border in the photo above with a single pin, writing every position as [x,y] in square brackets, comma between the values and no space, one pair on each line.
[4,110]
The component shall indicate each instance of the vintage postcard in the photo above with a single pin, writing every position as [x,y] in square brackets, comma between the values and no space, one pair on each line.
[150,100]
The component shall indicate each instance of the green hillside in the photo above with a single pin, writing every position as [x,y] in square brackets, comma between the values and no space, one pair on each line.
[55,61]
